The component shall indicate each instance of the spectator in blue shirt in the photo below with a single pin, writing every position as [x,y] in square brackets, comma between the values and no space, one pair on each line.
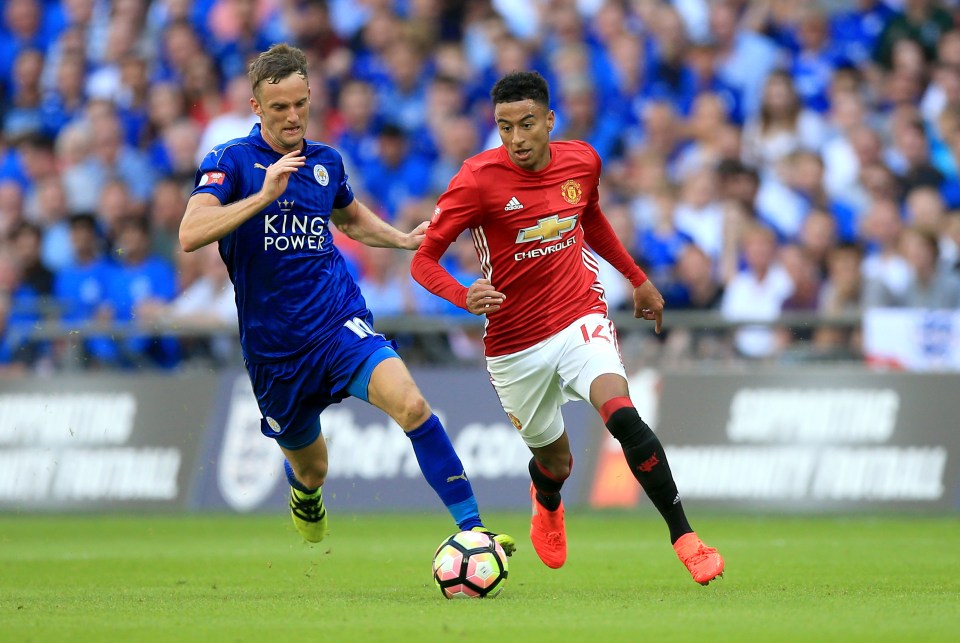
[23,113]
[22,29]
[357,139]
[28,297]
[855,31]
[815,63]
[140,278]
[579,118]
[395,176]
[80,288]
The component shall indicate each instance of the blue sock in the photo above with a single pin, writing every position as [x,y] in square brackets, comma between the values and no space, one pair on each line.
[442,468]
[296,484]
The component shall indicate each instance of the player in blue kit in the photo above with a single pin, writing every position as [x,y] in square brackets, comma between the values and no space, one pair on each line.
[307,335]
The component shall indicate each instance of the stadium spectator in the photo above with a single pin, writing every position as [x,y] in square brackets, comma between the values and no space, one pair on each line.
[818,236]
[114,207]
[28,296]
[840,294]
[930,285]
[706,128]
[457,140]
[660,245]
[757,293]
[204,302]
[66,99]
[921,21]
[48,208]
[854,30]
[139,280]
[165,211]
[782,126]
[805,276]
[24,113]
[396,175]
[111,156]
[695,284]
[358,133]
[402,93]
[234,121]
[383,283]
[745,58]
[81,290]
[578,118]
[11,205]
[848,145]
[884,267]
[699,215]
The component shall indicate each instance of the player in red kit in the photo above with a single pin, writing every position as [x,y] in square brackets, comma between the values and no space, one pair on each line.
[532,208]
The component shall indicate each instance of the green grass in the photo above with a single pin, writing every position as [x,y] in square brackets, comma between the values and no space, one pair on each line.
[241,578]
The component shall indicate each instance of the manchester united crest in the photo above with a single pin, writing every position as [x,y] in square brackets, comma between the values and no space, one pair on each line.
[516,421]
[571,192]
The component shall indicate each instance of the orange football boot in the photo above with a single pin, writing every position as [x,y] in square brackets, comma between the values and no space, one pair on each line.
[547,533]
[704,563]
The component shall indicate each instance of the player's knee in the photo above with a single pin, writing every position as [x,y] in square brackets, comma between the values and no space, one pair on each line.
[558,466]
[628,428]
[313,476]
[560,470]
[413,412]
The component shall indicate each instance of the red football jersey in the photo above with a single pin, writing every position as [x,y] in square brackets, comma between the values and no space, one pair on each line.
[530,230]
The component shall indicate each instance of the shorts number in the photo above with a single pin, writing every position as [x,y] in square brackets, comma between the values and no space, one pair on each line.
[599,332]
[360,328]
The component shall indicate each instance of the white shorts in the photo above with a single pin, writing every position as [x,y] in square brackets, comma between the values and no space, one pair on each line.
[534,383]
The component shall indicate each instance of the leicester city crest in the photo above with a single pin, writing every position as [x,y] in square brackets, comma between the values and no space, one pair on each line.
[321,175]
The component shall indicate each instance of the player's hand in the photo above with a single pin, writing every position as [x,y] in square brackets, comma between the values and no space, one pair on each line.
[278,175]
[416,236]
[483,299]
[648,304]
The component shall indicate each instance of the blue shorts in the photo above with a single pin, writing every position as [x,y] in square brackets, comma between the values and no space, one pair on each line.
[293,393]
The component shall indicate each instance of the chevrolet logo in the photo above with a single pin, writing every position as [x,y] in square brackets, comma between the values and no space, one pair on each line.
[548,229]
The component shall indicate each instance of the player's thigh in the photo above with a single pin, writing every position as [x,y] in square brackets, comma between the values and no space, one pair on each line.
[529,391]
[393,390]
[590,365]
[289,402]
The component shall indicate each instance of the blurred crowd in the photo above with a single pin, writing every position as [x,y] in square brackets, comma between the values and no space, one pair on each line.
[759,156]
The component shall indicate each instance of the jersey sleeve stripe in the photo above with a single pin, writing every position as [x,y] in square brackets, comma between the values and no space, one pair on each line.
[483,251]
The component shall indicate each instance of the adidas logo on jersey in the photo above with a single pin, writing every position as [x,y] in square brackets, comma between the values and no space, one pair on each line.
[513,204]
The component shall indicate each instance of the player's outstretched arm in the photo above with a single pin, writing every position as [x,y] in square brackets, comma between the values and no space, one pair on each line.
[648,304]
[359,222]
[206,220]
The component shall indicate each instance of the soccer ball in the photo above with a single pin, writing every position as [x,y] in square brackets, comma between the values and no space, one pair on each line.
[470,564]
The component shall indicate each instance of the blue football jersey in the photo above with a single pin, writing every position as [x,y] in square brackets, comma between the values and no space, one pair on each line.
[292,285]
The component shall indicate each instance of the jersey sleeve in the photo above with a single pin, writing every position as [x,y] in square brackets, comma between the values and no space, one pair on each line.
[344,191]
[457,209]
[599,234]
[218,175]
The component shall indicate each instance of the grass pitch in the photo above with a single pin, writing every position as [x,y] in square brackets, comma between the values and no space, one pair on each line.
[249,578]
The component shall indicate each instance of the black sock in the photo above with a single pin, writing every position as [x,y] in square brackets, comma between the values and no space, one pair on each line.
[548,487]
[648,462]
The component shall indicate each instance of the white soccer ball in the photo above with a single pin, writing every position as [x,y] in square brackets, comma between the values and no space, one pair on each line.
[470,564]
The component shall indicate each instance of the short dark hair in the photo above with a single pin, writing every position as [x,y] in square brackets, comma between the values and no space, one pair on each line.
[84,220]
[275,64]
[521,85]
